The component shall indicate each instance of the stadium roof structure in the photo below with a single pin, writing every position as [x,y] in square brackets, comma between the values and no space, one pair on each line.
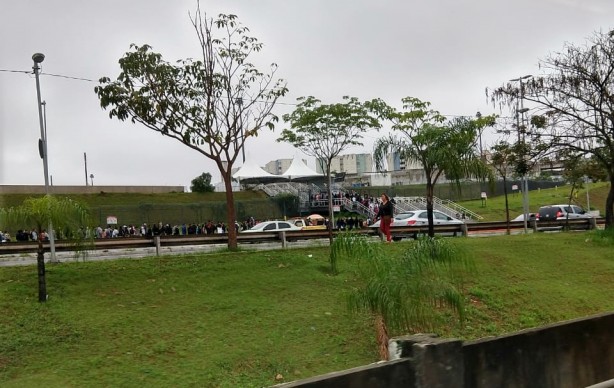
[299,171]
[252,173]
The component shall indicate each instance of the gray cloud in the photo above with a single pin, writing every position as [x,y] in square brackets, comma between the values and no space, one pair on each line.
[441,51]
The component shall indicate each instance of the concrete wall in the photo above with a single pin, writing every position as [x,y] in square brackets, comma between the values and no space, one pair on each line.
[570,354]
[32,189]
[575,353]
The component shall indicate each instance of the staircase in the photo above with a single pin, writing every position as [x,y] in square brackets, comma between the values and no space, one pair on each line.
[445,206]
[402,204]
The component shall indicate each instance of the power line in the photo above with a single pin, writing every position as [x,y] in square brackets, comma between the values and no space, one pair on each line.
[91,80]
[15,71]
[69,77]
[49,74]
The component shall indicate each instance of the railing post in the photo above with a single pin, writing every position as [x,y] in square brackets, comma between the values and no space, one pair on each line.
[592,223]
[282,237]
[157,244]
[464,230]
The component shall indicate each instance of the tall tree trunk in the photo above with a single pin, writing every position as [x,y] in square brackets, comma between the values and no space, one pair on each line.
[429,206]
[40,263]
[382,337]
[230,216]
[609,204]
[507,207]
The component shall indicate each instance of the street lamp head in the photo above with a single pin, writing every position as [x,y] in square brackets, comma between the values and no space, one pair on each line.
[523,110]
[38,57]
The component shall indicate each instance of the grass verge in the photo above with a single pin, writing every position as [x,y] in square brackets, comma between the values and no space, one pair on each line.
[240,319]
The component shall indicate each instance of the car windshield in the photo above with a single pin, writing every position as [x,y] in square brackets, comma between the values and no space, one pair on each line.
[440,216]
[259,226]
[404,216]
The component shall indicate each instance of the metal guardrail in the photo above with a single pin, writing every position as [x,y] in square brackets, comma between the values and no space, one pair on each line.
[284,237]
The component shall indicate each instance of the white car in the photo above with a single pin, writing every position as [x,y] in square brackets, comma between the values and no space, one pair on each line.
[419,217]
[272,226]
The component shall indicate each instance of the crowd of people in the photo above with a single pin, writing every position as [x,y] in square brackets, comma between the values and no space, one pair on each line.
[24,235]
[210,227]
[162,229]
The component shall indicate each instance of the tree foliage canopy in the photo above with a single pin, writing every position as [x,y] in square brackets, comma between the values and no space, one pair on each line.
[202,184]
[326,130]
[68,217]
[441,147]
[406,293]
[212,104]
[575,96]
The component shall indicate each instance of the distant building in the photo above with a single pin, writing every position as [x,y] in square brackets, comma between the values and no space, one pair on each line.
[403,172]
[349,164]
[279,166]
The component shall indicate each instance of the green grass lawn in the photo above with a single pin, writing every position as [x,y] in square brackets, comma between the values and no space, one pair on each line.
[240,319]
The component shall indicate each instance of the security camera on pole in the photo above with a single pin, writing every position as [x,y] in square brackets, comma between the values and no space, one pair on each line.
[42,143]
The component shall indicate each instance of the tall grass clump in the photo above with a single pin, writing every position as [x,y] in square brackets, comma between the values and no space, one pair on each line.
[604,236]
[405,293]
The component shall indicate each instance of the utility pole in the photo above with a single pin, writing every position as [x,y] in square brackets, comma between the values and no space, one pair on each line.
[85,161]
[521,110]
[42,143]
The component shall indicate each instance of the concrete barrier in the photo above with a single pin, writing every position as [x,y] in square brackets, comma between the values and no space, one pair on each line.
[575,353]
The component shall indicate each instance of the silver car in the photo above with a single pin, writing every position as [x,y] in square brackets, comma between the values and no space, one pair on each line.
[419,217]
[272,226]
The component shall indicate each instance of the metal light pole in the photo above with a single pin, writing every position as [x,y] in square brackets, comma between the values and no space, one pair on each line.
[521,110]
[85,161]
[42,144]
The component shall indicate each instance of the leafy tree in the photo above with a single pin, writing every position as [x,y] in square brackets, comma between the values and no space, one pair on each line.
[405,294]
[442,147]
[326,130]
[202,184]
[65,214]
[212,105]
[575,96]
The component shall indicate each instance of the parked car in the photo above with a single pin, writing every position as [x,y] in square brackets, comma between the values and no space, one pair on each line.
[272,226]
[561,212]
[419,217]
[532,217]
[310,223]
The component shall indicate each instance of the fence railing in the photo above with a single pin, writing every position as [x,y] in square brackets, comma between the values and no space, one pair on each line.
[284,237]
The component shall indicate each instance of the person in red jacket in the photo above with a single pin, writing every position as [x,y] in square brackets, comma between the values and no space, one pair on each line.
[385,216]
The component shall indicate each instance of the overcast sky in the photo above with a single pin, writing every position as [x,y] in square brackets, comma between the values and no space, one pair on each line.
[443,51]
